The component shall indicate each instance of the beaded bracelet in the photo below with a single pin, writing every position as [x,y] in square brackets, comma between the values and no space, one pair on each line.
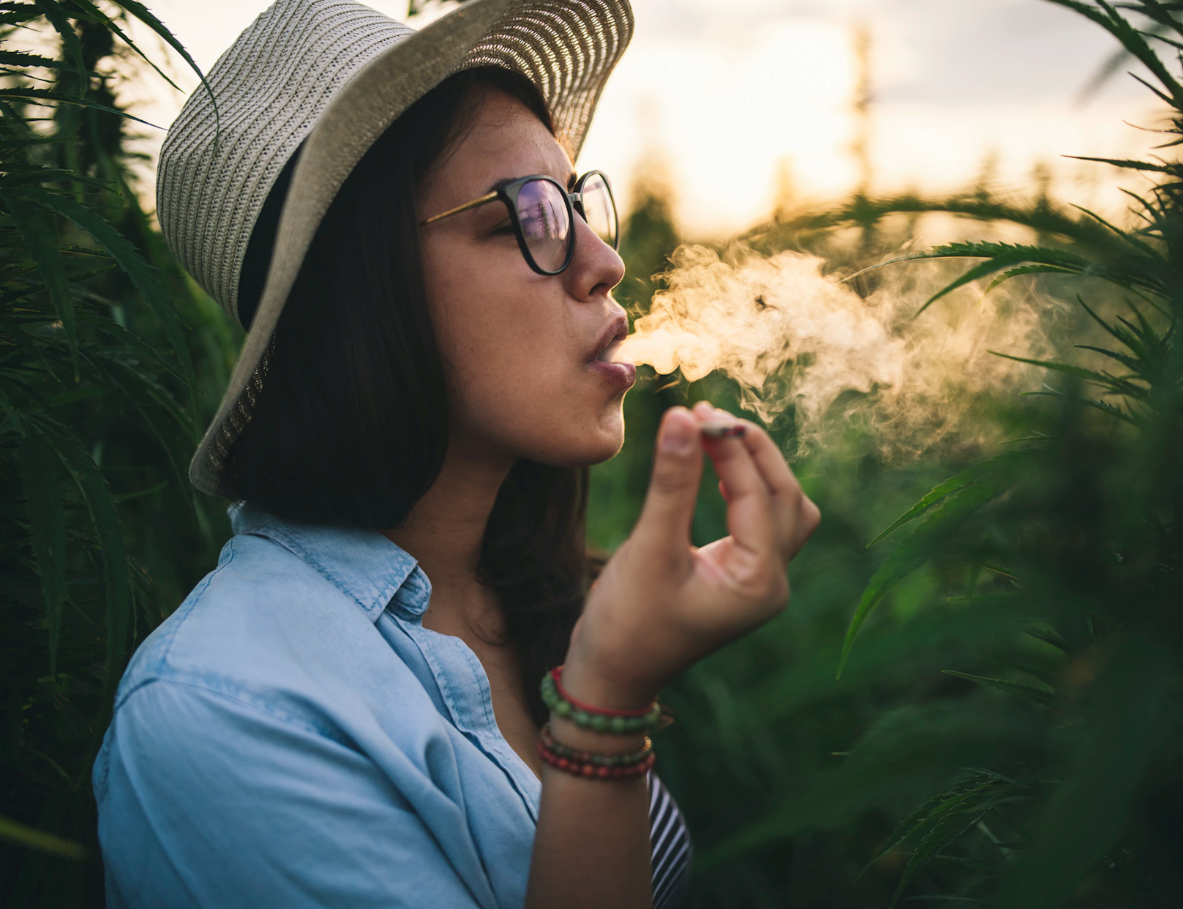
[594,757]
[591,770]
[619,722]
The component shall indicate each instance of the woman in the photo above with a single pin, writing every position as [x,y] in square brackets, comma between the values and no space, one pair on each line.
[346,711]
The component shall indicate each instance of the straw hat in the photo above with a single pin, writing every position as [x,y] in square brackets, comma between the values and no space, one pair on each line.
[333,74]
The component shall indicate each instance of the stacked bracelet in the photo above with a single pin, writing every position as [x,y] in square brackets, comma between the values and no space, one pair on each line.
[594,766]
[619,722]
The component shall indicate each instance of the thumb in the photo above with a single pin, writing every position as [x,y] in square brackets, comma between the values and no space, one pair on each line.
[673,488]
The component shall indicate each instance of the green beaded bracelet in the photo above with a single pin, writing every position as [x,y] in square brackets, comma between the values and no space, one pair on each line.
[598,722]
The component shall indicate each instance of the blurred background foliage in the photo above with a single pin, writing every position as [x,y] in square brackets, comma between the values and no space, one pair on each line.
[1004,730]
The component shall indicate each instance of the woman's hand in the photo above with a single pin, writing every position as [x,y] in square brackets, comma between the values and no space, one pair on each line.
[661,604]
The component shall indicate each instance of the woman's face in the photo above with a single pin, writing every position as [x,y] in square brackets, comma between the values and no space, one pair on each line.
[520,349]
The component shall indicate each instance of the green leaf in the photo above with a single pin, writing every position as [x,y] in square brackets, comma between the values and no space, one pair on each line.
[1116,383]
[20,58]
[1134,718]
[43,95]
[1021,270]
[950,486]
[132,341]
[1131,363]
[1102,406]
[16,832]
[61,23]
[955,506]
[1028,692]
[1048,637]
[40,240]
[1142,245]
[145,15]
[47,527]
[926,813]
[1126,163]
[108,530]
[148,280]
[958,816]
[167,422]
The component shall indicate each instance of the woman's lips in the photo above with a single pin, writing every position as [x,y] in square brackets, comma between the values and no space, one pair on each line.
[622,374]
[614,366]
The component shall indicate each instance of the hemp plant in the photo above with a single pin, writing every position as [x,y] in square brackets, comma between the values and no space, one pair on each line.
[97,400]
[1060,747]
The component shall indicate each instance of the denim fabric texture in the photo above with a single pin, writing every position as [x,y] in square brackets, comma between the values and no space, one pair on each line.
[292,736]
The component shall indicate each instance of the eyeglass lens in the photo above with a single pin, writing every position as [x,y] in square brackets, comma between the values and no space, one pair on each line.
[542,211]
[599,209]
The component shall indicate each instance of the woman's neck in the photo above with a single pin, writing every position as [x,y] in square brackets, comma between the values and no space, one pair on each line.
[444,534]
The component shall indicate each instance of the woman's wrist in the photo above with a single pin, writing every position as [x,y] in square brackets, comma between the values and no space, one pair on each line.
[606,690]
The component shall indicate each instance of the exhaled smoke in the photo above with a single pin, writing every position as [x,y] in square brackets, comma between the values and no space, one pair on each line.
[792,337]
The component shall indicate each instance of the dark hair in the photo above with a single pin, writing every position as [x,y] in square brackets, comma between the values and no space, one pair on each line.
[350,423]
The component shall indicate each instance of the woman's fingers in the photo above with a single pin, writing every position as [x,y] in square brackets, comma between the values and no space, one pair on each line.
[664,525]
[796,515]
[750,516]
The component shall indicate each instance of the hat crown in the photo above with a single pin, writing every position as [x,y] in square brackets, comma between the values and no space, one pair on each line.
[224,153]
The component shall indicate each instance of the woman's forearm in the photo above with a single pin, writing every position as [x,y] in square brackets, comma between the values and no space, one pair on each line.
[592,846]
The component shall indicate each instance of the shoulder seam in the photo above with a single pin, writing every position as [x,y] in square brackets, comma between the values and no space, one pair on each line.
[250,699]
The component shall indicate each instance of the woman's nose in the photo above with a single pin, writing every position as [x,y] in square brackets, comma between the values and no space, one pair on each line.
[596,267]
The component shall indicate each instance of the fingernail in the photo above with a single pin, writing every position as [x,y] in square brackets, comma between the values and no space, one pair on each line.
[678,436]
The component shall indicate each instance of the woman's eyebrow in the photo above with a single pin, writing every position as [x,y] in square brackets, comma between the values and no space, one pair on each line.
[505,181]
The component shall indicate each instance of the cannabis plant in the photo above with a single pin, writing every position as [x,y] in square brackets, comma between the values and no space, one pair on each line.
[1059,745]
[98,412]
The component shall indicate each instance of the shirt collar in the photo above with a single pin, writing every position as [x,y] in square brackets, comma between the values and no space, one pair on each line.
[363,564]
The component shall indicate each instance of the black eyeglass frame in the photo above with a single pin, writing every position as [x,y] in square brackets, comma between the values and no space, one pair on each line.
[573,200]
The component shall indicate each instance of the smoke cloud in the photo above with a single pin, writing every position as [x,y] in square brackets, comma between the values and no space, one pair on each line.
[792,337]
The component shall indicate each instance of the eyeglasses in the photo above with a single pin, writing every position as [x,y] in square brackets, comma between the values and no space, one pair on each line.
[542,212]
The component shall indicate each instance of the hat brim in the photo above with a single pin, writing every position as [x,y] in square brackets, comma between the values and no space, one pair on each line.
[566,47]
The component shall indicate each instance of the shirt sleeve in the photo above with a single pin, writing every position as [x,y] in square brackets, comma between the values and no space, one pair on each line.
[211,801]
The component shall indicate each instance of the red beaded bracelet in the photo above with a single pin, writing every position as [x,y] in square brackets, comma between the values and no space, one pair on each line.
[590,771]
[557,675]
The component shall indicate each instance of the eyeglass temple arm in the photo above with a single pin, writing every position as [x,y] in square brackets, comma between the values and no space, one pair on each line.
[483,200]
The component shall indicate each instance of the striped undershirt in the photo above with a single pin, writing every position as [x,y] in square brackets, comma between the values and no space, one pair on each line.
[672,851]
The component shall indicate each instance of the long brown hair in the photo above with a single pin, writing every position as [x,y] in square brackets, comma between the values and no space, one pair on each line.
[351,424]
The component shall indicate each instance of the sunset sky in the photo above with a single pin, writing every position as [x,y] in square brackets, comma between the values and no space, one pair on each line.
[736,98]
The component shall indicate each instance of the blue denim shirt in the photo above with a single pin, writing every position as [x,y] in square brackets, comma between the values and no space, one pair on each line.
[293,736]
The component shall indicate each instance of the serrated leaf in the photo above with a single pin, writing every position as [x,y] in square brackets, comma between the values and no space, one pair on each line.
[57,17]
[1134,241]
[1030,693]
[21,58]
[942,835]
[47,527]
[1048,637]
[1021,270]
[1102,406]
[910,824]
[918,548]
[40,239]
[1117,383]
[1133,716]
[950,486]
[104,517]
[147,279]
[167,423]
[145,15]
[42,95]
[132,341]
